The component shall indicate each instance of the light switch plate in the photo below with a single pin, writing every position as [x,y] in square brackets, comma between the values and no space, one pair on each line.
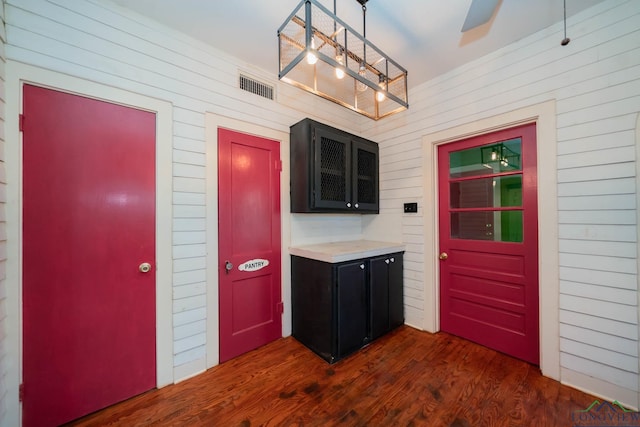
[410,207]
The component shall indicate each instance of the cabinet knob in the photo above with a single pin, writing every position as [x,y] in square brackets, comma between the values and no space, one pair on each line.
[348,205]
[356,206]
[361,266]
[387,260]
[393,260]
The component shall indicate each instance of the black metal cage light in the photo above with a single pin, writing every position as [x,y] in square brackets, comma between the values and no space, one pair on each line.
[321,54]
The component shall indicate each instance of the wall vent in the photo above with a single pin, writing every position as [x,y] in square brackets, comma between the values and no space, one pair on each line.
[256,87]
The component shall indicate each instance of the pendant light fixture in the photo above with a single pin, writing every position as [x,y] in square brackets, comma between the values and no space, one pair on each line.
[341,65]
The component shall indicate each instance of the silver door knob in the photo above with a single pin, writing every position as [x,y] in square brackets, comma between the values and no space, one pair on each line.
[227,265]
[145,267]
[443,256]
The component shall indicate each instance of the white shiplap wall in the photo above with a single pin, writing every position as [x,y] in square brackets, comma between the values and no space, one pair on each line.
[595,81]
[98,41]
[4,363]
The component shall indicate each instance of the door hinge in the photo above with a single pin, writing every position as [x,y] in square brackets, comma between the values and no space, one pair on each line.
[279,165]
[21,122]
[280,307]
[20,392]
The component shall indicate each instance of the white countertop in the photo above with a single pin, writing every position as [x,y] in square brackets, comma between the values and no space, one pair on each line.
[346,251]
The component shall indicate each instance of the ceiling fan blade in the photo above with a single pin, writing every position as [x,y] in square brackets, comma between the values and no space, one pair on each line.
[479,13]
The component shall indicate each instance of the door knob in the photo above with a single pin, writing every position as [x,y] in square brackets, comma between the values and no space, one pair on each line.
[443,256]
[145,267]
[228,266]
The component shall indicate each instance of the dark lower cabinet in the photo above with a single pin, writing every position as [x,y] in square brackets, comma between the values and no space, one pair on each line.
[387,309]
[351,307]
[339,308]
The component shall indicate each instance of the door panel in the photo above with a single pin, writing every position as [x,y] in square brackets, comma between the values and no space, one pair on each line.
[88,223]
[332,180]
[352,303]
[379,296]
[488,231]
[396,291]
[249,242]
[365,175]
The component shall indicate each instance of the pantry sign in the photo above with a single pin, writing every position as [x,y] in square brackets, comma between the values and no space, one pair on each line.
[253,265]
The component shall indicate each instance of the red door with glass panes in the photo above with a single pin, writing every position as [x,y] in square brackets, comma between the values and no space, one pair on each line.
[249,242]
[488,225]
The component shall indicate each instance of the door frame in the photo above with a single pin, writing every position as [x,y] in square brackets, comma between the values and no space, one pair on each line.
[544,116]
[16,75]
[212,123]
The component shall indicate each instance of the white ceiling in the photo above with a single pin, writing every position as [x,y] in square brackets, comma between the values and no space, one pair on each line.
[423,36]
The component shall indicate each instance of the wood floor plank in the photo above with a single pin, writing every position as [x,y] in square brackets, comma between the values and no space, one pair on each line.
[406,378]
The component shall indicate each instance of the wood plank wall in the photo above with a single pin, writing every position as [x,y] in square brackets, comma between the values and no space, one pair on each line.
[4,362]
[595,81]
[100,41]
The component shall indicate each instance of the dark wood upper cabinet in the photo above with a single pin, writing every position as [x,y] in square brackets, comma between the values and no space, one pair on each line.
[332,171]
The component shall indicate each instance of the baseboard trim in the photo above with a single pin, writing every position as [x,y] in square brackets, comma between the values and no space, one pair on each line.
[628,398]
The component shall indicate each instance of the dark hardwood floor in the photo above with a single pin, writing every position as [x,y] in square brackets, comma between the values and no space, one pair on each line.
[406,378]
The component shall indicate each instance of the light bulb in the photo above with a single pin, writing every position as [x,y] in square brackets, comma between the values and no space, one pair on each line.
[311,54]
[311,58]
[362,72]
[339,60]
[382,82]
[494,155]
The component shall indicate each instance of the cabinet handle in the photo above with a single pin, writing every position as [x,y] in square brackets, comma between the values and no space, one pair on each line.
[387,260]
[348,205]
[361,266]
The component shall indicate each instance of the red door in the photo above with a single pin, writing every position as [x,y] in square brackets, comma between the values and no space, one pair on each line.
[88,225]
[489,241]
[249,242]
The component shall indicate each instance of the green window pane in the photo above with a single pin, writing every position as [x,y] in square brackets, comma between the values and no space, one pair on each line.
[493,192]
[488,159]
[496,226]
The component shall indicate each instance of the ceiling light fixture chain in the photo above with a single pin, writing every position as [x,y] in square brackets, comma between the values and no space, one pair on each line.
[362,71]
[566,39]
[367,81]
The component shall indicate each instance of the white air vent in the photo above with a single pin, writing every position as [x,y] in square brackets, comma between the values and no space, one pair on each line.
[256,87]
